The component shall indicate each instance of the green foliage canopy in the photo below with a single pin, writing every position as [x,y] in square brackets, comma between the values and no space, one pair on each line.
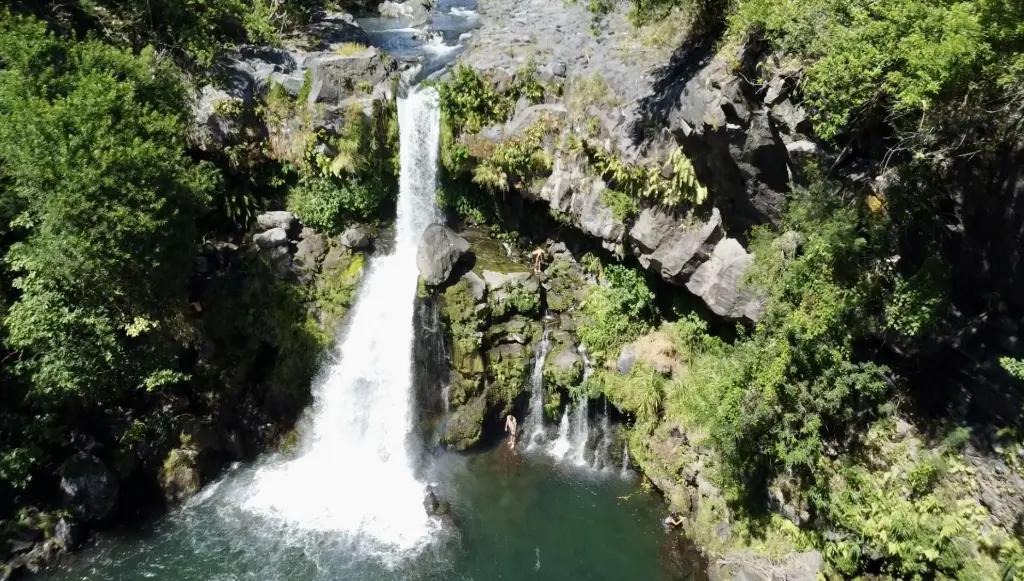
[91,148]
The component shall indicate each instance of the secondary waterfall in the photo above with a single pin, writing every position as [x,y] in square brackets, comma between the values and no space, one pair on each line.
[355,476]
[601,455]
[561,446]
[535,422]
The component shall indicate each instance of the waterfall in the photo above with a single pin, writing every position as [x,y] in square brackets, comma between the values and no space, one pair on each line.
[561,446]
[536,418]
[355,476]
[601,455]
[625,461]
[581,431]
[446,391]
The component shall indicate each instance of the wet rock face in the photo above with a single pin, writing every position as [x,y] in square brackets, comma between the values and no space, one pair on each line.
[465,426]
[88,487]
[440,249]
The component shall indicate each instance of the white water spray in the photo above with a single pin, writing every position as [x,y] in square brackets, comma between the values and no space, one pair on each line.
[355,475]
[561,446]
[625,461]
[601,455]
[581,431]
[535,421]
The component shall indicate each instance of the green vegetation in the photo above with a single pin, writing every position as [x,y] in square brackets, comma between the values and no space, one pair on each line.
[901,57]
[519,159]
[617,312]
[194,32]
[477,173]
[107,320]
[797,404]
[101,227]
[639,182]
[351,175]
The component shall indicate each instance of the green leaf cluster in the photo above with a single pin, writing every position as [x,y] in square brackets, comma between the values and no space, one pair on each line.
[617,312]
[91,143]
[901,57]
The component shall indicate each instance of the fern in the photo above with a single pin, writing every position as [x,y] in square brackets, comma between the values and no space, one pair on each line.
[649,182]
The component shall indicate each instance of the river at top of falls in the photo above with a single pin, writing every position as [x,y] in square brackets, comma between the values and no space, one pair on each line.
[354,475]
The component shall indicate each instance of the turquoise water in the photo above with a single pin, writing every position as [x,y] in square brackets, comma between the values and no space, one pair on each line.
[515,517]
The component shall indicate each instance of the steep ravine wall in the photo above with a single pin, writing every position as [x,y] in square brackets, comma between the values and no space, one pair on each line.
[640,105]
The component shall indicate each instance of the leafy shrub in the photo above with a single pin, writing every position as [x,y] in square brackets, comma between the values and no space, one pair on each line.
[107,219]
[325,203]
[648,182]
[616,313]
[902,55]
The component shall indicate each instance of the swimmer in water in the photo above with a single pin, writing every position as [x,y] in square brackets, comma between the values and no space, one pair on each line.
[673,520]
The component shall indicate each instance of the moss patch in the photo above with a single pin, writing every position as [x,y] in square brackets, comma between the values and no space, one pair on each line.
[336,289]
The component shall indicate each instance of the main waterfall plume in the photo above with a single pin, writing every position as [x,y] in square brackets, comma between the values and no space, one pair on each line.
[355,475]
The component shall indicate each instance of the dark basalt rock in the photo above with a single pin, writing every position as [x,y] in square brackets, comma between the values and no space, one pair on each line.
[439,251]
[88,487]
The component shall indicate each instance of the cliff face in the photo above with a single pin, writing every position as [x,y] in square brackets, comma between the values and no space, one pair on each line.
[739,135]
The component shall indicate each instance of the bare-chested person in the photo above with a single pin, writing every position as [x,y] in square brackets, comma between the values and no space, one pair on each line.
[510,426]
[539,255]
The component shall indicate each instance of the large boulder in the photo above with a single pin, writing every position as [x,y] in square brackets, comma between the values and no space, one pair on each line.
[751,566]
[355,238]
[439,251]
[417,11]
[277,219]
[88,487]
[218,120]
[334,77]
[273,238]
[674,248]
[719,282]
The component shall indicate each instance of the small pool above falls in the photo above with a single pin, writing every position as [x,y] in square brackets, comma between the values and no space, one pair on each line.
[433,44]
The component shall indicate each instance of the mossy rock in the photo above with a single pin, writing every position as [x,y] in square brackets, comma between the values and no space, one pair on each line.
[563,284]
[564,370]
[179,476]
[464,319]
[465,426]
[515,298]
[467,374]
[337,286]
[509,368]
[516,330]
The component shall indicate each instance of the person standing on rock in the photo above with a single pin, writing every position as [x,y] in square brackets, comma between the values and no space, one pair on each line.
[539,254]
[510,427]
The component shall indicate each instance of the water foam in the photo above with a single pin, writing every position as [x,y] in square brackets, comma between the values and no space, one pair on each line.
[355,475]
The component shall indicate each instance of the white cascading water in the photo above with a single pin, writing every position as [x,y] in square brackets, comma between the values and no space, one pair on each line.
[625,461]
[561,446]
[581,431]
[355,475]
[603,449]
[535,421]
